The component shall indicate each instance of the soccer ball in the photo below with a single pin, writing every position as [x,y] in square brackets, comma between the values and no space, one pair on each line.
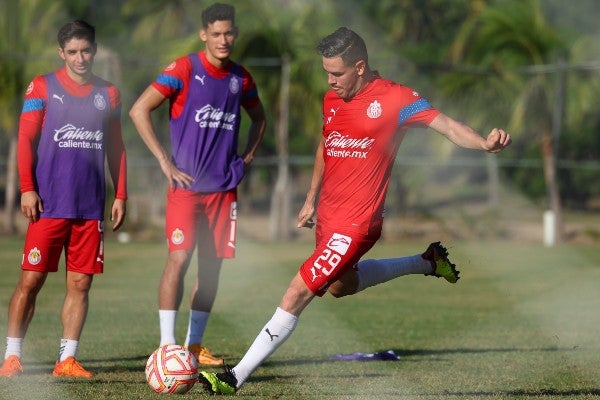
[171,369]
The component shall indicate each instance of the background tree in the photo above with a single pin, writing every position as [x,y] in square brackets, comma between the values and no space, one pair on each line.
[23,55]
[502,41]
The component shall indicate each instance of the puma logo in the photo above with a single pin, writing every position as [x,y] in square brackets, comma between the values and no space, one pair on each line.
[59,98]
[334,112]
[313,270]
[200,78]
[270,335]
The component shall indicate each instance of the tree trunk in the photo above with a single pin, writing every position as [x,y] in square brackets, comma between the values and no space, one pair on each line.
[549,161]
[279,224]
[10,225]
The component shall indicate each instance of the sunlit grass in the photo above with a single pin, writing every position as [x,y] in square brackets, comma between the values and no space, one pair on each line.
[521,323]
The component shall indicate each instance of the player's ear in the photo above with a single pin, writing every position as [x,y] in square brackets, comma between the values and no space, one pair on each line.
[360,67]
[202,34]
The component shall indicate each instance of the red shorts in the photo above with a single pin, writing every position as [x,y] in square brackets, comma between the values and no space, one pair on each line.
[82,240]
[204,219]
[336,251]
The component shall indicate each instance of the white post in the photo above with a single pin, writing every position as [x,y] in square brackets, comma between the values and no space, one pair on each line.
[549,228]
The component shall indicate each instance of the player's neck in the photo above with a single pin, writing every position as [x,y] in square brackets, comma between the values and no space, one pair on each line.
[217,62]
[368,77]
[79,79]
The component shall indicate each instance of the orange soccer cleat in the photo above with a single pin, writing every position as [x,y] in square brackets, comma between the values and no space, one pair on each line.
[204,356]
[70,367]
[11,367]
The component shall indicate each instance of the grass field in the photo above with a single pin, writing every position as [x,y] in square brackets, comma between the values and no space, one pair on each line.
[522,323]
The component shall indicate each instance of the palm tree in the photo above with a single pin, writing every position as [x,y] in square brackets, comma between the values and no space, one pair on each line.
[504,44]
[23,55]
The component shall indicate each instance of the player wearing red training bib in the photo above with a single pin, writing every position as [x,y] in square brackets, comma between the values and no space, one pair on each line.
[360,140]
[70,126]
[365,119]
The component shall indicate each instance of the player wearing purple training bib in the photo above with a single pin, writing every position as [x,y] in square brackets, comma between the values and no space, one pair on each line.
[70,125]
[206,91]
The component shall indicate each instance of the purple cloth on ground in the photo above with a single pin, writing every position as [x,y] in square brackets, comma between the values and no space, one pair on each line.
[389,355]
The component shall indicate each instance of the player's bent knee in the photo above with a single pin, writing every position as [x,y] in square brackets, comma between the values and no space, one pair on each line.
[339,289]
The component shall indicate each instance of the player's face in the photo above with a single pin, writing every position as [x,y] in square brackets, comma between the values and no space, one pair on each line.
[218,38]
[343,79]
[78,55]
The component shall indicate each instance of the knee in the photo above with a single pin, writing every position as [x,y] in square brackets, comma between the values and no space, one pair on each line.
[338,289]
[178,259]
[31,284]
[80,283]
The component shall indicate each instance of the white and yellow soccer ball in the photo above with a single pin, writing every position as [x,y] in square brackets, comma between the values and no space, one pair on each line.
[171,369]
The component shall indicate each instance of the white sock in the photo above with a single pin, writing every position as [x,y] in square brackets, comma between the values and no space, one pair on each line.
[374,272]
[167,319]
[14,347]
[196,326]
[273,335]
[68,348]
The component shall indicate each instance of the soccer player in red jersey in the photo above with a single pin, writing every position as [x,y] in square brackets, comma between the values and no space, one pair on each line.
[206,91]
[70,124]
[365,120]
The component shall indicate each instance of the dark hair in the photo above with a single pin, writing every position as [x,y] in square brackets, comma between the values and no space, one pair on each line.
[76,29]
[218,12]
[346,44]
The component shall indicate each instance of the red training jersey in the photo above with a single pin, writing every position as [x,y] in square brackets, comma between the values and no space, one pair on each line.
[361,139]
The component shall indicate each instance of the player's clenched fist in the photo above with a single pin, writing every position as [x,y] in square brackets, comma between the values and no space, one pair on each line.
[497,140]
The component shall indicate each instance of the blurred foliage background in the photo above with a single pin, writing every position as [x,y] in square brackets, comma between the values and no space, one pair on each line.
[529,66]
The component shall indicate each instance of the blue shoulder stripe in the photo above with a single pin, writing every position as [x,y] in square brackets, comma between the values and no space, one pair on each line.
[33,105]
[412,109]
[170,81]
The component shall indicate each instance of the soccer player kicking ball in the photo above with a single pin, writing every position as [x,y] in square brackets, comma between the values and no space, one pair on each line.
[365,120]
[70,123]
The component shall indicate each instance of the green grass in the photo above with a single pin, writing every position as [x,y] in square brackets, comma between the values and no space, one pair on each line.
[522,323]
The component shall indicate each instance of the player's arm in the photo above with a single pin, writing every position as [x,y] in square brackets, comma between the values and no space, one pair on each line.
[140,114]
[255,132]
[30,128]
[308,210]
[465,136]
[117,161]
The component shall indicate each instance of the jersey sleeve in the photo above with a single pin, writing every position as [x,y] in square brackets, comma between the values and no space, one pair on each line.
[115,151]
[30,129]
[250,97]
[416,110]
[172,79]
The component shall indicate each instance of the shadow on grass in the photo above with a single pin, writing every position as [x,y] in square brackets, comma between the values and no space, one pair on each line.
[431,352]
[528,393]
[108,365]
[413,355]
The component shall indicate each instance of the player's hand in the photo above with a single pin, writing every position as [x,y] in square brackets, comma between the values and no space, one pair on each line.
[31,205]
[117,213]
[174,175]
[305,216]
[497,140]
[248,158]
